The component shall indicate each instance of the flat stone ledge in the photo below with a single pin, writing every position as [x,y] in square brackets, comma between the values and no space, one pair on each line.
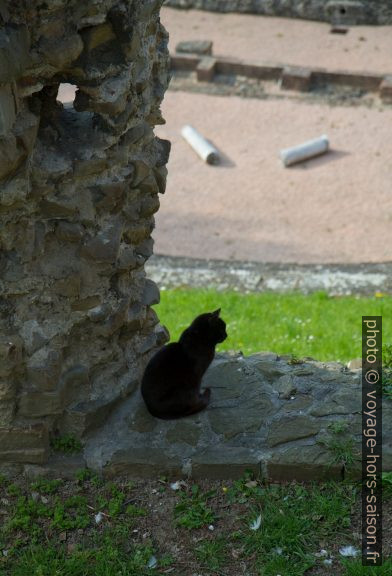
[268,414]
[283,419]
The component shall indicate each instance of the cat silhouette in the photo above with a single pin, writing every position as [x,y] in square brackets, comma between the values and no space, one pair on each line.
[172,379]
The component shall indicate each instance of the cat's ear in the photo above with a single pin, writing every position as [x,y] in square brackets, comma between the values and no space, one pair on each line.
[216,313]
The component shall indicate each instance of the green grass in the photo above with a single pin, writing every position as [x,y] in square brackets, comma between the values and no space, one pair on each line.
[192,511]
[107,559]
[212,553]
[148,529]
[355,568]
[66,444]
[317,325]
[293,521]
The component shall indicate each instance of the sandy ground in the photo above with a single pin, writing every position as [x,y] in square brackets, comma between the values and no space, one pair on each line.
[335,208]
[283,40]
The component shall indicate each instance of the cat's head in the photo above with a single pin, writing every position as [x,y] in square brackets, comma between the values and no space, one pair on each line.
[210,327]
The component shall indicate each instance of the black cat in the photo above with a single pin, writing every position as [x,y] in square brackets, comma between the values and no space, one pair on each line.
[172,379]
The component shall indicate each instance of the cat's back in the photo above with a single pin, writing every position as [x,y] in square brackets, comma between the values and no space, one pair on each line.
[166,359]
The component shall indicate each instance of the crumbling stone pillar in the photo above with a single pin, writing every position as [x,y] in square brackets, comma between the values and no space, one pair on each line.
[79,185]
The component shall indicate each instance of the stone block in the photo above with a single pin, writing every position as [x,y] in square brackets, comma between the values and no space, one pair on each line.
[145,248]
[11,155]
[162,335]
[109,97]
[146,462]
[184,432]
[160,176]
[57,207]
[61,52]
[43,369]
[7,406]
[285,386]
[255,412]
[105,246]
[303,464]
[347,12]
[33,335]
[7,109]
[28,444]
[149,185]
[68,287]
[136,233]
[163,148]
[26,130]
[225,462]
[126,258]
[69,231]
[74,382]
[141,420]
[14,52]
[195,47]
[116,319]
[186,62]
[141,171]
[150,294]
[95,36]
[11,347]
[248,69]
[343,401]
[58,466]
[296,78]
[87,415]
[205,70]
[386,89]
[136,316]
[289,428]
[38,404]
[109,197]
[149,205]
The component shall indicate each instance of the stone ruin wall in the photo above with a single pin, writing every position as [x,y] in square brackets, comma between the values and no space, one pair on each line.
[78,189]
[338,12]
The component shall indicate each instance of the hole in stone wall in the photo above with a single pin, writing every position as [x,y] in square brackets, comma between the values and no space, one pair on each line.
[66,94]
[62,123]
[342,10]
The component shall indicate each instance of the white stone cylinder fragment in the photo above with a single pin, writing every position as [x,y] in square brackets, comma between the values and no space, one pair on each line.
[200,145]
[304,151]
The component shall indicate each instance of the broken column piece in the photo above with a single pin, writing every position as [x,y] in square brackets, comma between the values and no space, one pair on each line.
[304,151]
[201,146]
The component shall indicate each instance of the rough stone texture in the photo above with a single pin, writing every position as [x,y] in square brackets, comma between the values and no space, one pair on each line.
[249,425]
[79,187]
[338,12]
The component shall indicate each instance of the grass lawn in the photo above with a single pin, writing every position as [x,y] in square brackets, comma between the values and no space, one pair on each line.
[89,527]
[316,325]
